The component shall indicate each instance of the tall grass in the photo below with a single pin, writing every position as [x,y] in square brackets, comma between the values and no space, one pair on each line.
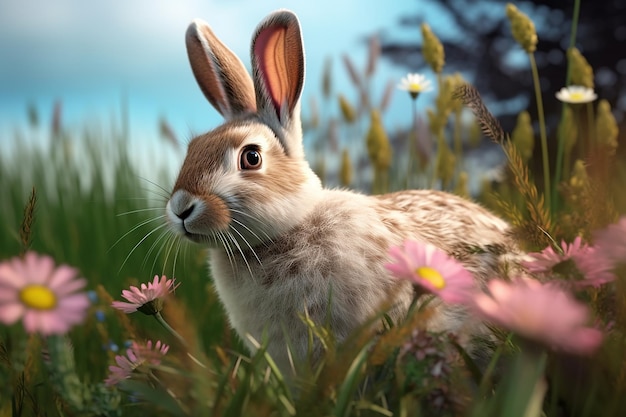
[95,212]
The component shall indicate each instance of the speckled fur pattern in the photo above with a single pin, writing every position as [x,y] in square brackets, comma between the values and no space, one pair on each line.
[338,253]
[281,245]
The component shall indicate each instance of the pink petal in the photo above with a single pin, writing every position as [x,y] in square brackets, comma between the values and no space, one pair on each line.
[487,306]
[31,321]
[8,294]
[584,341]
[38,268]
[61,275]
[11,312]
[70,287]
[125,307]
[399,271]
[78,301]
[9,277]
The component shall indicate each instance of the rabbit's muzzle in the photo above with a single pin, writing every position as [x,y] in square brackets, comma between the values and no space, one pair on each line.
[197,217]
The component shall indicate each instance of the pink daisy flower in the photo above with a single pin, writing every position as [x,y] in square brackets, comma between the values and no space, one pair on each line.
[577,260]
[547,259]
[431,268]
[611,241]
[45,297]
[148,298]
[137,357]
[596,269]
[541,312]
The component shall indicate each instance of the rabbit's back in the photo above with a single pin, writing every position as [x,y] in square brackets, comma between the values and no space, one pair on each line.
[465,230]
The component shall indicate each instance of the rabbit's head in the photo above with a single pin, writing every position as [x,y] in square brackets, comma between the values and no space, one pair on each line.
[247,180]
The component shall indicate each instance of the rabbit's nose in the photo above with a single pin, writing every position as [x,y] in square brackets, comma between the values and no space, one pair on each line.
[186,213]
[182,204]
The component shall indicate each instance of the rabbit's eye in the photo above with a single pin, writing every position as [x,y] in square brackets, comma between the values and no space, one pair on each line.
[250,158]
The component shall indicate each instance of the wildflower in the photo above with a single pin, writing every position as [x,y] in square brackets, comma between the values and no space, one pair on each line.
[595,268]
[522,28]
[445,163]
[547,259]
[148,299]
[426,362]
[576,260]
[373,55]
[579,180]
[540,312]
[327,84]
[137,358]
[582,72]
[377,142]
[432,49]
[611,241]
[576,94]
[433,269]
[606,127]
[43,295]
[415,84]
[568,132]
[523,136]
[347,111]
[385,99]
[461,187]
[345,175]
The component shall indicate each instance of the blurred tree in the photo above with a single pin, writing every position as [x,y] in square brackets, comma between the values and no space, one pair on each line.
[478,42]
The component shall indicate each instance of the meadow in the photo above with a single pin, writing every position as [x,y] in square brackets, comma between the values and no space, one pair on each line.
[80,199]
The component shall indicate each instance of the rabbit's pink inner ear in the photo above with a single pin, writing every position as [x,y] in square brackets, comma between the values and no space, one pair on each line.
[279,57]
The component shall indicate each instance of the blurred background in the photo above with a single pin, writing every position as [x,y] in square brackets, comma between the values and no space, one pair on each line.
[74,63]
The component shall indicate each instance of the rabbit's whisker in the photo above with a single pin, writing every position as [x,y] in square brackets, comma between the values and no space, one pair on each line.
[163,234]
[170,246]
[269,239]
[126,213]
[227,249]
[176,252]
[247,244]
[165,192]
[139,243]
[143,223]
[243,255]
[250,231]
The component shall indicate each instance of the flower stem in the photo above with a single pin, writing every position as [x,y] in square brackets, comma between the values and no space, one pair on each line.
[542,131]
[170,329]
[412,143]
[560,146]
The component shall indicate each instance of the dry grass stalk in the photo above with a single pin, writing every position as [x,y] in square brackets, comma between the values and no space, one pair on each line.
[26,229]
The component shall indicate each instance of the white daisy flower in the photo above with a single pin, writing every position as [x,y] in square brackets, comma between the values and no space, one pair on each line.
[415,84]
[576,94]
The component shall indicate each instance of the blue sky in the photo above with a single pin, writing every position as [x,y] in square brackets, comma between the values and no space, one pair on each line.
[91,54]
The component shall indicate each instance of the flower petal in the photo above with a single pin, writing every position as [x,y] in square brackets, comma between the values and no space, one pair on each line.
[11,312]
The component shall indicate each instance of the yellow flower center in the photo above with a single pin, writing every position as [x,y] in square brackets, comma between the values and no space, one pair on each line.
[431,275]
[415,87]
[576,96]
[38,297]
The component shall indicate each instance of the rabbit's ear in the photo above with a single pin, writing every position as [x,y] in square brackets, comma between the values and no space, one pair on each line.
[221,75]
[278,72]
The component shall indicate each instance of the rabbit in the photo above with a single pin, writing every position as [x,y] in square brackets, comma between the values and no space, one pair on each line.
[280,244]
